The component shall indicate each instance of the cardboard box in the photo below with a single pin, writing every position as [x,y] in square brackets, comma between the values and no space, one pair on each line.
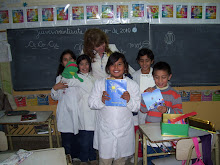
[178,130]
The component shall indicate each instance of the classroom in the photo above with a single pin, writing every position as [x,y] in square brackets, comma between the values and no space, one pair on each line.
[189,44]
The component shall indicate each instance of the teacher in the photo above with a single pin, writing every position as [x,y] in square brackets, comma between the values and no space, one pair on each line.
[97,47]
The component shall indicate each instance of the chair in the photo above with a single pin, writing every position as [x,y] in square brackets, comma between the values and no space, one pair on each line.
[184,151]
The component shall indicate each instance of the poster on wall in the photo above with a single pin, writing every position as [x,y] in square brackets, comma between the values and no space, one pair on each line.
[4,17]
[196,12]
[167,11]
[181,11]
[210,12]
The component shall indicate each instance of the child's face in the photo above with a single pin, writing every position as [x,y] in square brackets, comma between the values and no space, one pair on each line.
[145,64]
[101,49]
[66,59]
[84,66]
[117,69]
[161,78]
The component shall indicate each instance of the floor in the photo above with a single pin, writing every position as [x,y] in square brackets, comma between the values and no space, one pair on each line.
[34,143]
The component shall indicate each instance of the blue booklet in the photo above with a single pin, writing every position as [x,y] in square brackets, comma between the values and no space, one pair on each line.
[115,88]
[153,99]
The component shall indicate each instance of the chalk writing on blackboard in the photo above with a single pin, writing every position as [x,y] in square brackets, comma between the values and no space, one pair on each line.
[169,37]
[42,45]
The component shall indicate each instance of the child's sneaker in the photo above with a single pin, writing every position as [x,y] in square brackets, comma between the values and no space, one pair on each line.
[139,159]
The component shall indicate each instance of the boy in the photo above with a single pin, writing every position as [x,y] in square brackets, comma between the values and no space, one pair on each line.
[173,102]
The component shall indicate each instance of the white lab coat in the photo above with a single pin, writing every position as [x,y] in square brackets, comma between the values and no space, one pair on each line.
[98,67]
[114,134]
[86,115]
[140,118]
[67,108]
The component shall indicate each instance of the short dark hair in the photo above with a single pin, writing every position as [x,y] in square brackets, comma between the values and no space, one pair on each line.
[143,52]
[113,58]
[61,67]
[162,66]
[84,57]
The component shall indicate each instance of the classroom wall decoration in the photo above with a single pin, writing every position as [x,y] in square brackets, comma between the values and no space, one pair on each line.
[110,13]
[186,95]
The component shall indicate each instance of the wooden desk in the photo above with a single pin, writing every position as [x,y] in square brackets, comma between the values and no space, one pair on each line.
[55,156]
[152,133]
[17,128]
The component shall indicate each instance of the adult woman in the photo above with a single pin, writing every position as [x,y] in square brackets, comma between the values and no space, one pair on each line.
[97,47]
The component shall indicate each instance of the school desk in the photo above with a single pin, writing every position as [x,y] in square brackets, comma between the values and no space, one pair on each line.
[151,132]
[17,128]
[55,156]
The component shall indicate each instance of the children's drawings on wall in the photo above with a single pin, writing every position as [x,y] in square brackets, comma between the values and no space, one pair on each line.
[181,11]
[95,13]
[62,13]
[138,10]
[18,16]
[4,16]
[107,11]
[47,14]
[77,12]
[122,11]
[210,12]
[196,12]
[167,11]
[32,15]
[153,11]
[92,12]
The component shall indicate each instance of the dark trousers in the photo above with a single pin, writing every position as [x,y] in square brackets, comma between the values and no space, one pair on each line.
[87,152]
[71,144]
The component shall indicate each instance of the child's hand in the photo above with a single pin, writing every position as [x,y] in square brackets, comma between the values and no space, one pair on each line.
[105,96]
[126,96]
[162,109]
[150,89]
[60,85]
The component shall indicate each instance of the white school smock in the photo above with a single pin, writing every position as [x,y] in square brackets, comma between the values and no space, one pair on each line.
[140,118]
[86,115]
[67,108]
[114,134]
[98,66]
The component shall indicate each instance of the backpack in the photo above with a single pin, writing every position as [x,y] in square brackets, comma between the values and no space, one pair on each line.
[198,160]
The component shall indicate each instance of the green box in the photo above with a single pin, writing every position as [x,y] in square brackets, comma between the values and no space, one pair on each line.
[177,130]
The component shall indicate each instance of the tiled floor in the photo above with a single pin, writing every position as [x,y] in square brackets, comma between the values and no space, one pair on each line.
[33,143]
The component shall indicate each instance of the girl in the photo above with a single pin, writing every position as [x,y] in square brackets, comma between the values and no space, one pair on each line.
[145,59]
[97,47]
[114,133]
[67,108]
[86,115]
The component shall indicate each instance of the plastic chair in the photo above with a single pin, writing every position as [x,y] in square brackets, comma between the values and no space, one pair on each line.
[184,151]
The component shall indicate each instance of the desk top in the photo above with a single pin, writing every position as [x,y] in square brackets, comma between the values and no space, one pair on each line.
[153,132]
[42,116]
[55,156]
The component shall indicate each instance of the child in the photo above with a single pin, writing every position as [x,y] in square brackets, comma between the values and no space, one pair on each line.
[145,59]
[86,115]
[67,108]
[114,134]
[162,74]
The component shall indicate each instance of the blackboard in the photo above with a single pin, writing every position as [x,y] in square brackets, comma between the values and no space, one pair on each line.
[36,51]
[192,50]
